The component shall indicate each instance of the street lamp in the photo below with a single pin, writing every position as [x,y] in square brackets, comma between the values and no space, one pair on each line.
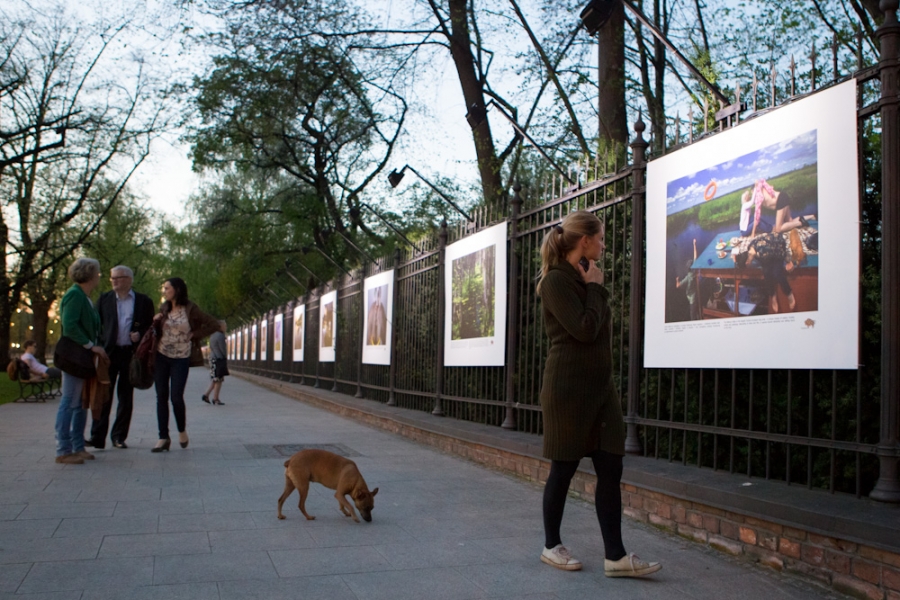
[355,212]
[477,114]
[394,178]
[596,14]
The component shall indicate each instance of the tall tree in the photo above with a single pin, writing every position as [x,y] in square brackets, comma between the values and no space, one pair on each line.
[56,195]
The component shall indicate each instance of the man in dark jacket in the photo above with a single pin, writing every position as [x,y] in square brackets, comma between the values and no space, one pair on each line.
[125,315]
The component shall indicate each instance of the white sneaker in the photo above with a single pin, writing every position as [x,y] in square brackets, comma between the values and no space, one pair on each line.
[560,558]
[629,566]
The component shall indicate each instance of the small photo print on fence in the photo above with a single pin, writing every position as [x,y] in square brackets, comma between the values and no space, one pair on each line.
[475,299]
[378,318]
[753,243]
[327,327]
[263,339]
[299,317]
[277,337]
[254,347]
[245,352]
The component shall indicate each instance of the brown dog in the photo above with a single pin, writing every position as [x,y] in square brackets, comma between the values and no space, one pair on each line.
[334,472]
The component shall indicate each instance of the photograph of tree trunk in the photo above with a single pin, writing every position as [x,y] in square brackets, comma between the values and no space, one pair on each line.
[473,295]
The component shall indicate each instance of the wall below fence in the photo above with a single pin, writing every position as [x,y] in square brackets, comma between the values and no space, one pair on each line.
[851,545]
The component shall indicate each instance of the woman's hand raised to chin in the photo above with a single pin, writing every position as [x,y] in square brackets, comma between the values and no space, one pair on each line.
[594,274]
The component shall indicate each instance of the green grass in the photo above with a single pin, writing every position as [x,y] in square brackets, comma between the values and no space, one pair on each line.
[800,184]
[9,390]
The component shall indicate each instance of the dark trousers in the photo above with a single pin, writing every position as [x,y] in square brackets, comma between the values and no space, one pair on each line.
[119,359]
[170,372]
[607,500]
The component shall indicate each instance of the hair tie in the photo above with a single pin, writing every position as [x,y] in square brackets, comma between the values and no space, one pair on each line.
[559,229]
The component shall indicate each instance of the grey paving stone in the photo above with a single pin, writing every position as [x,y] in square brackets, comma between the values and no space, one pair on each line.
[159,507]
[49,549]
[221,566]
[327,561]
[107,525]
[413,584]
[358,534]
[519,578]
[10,511]
[155,544]
[71,595]
[186,591]
[260,539]
[124,494]
[29,529]
[12,575]
[66,510]
[298,588]
[102,573]
[418,555]
[205,522]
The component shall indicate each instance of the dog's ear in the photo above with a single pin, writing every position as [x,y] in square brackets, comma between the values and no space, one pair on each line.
[375,491]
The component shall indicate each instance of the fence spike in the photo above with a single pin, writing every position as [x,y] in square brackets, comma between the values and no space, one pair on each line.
[705,114]
[677,127]
[737,115]
[755,86]
[793,74]
[859,49]
[813,55]
[834,57]
[772,86]
[691,123]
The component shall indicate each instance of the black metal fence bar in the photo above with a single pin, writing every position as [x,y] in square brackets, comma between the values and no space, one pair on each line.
[834,430]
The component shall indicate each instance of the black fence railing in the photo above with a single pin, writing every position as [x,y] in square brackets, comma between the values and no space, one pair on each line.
[827,429]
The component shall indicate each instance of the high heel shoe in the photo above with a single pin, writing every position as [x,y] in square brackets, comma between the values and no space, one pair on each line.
[162,445]
[183,439]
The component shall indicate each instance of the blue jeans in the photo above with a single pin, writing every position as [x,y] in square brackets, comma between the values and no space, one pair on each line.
[70,418]
[172,371]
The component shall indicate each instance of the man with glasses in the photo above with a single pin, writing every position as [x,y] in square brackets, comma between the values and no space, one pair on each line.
[124,317]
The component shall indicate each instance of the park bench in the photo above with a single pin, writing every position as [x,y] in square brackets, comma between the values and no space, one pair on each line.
[32,388]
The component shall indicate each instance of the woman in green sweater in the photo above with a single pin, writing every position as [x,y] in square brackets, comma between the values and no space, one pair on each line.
[581,408]
[81,323]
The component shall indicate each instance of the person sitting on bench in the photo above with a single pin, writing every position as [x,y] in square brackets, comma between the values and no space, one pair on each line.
[34,365]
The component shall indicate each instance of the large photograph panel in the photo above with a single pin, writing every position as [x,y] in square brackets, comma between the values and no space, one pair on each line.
[264,339]
[278,337]
[327,326]
[753,243]
[475,300]
[378,293]
[299,317]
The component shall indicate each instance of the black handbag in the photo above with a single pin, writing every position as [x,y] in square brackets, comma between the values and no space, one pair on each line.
[73,358]
[140,370]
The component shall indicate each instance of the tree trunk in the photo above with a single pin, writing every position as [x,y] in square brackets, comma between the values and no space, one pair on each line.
[613,131]
[473,94]
[40,314]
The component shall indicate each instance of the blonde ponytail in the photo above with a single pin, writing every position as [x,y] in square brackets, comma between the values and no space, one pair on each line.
[563,237]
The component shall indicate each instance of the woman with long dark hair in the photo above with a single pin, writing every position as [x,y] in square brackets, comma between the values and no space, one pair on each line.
[180,327]
[581,408]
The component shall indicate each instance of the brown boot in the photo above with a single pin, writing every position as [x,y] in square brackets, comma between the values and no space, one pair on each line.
[85,455]
[69,459]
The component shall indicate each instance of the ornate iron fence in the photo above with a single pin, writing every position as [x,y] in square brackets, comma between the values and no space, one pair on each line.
[833,430]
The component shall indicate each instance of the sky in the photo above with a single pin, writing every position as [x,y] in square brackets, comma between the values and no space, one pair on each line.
[765,163]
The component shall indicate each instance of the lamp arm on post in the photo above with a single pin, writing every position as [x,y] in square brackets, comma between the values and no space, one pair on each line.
[391,226]
[355,247]
[331,260]
[531,141]
[439,193]
[288,263]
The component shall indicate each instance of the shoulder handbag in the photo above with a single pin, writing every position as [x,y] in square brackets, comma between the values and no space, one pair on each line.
[140,370]
[73,358]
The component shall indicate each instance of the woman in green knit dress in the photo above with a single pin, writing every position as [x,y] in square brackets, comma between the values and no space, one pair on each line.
[581,408]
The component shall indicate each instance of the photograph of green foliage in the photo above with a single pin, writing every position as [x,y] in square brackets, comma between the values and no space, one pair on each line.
[473,295]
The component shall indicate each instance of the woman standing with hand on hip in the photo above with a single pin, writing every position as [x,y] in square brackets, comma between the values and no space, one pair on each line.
[581,408]
[180,327]
[81,324]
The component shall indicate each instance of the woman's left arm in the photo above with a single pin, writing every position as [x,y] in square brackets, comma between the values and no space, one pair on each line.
[207,325]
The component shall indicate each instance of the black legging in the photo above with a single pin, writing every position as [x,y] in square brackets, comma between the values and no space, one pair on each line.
[607,500]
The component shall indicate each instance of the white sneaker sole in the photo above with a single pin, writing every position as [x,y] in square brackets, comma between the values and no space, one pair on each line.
[566,567]
[635,573]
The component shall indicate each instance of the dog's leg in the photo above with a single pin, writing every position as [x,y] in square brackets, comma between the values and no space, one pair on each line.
[288,488]
[346,507]
[303,490]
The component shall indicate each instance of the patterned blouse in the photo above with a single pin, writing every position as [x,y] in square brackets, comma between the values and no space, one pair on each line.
[176,335]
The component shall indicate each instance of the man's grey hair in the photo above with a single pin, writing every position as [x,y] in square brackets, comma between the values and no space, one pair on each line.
[84,269]
[126,270]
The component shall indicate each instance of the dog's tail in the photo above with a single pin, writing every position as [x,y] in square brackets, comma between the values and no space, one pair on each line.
[287,462]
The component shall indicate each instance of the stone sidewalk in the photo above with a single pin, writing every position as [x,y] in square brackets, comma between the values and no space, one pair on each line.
[199,523]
